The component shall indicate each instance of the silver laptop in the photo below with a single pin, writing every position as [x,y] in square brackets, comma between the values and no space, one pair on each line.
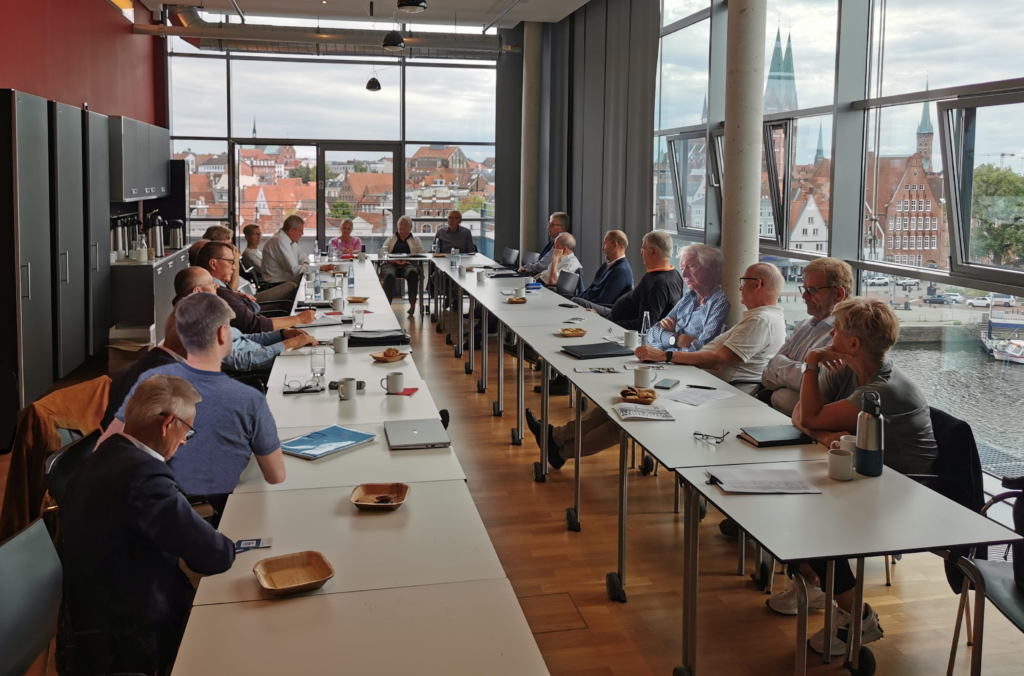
[404,435]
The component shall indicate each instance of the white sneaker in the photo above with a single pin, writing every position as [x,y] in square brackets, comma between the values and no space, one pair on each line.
[785,602]
[870,631]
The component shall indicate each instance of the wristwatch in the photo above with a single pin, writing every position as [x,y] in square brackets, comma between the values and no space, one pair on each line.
[805,367]
[668,356]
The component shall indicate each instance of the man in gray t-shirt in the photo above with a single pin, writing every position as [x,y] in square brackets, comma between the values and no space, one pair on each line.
[910,446]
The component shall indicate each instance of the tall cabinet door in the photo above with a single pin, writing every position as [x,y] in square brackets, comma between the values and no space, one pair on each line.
[67,216]
[97,230]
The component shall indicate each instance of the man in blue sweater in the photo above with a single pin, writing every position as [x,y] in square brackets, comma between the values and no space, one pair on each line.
[614,277]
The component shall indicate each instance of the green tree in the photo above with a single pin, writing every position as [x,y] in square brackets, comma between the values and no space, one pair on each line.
[359,168]
[341,210]
[472,202]
[308,174]
[997,212]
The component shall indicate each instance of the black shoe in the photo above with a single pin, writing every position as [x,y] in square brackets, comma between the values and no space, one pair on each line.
[555,458]
[533,424]
[729,528]
[558,387]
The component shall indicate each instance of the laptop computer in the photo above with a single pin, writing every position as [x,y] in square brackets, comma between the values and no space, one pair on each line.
[404,435]
[597,350]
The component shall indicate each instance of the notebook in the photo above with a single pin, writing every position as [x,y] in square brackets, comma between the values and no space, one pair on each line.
[597,350]
[328,441]
[773,435]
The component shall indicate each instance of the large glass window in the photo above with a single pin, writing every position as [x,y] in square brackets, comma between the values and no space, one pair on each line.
[683,77]
[674,10]
[449,104]
[199,104]
[206,163]
[275,182]
[810,176]
[800,54]
[360,185]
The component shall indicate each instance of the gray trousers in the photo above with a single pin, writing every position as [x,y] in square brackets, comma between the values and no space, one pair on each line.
[602,310]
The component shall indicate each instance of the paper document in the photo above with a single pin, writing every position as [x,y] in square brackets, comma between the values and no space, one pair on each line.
[641,412]
[322,319]
[599,369]
[618,340]
[696,396]
[653,367]
[741,480]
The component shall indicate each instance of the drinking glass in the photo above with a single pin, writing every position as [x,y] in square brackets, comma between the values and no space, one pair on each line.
[357,317]
[318,361]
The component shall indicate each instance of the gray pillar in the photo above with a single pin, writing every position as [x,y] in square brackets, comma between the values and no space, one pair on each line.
[741,189]
[533,57]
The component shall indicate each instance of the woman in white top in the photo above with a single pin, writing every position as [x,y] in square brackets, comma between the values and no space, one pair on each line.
[402,243]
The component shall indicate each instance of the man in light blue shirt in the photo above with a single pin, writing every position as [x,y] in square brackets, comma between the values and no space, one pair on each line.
[557,224]
[700,314]
[827,282]
[256,351]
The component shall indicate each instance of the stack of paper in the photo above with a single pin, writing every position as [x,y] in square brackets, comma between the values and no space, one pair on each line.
[641,412]
[696,396]
[743,480]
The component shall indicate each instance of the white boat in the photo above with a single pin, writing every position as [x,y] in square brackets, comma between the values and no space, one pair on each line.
[1009,350]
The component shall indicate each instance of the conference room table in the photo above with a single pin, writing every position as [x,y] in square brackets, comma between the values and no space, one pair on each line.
[424,578]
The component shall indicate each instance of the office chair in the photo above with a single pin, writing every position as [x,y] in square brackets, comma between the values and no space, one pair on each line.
[30,586]
[529,257]
[567,284]
[510,258]
[63,464]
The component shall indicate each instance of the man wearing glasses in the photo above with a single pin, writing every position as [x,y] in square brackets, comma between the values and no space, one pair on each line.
[233,423]
[126,524]
[827,282]
[740,355]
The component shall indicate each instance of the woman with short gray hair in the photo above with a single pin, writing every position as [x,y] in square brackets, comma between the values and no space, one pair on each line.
[402,242]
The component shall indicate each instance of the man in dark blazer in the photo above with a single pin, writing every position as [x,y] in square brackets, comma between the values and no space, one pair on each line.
[126,525]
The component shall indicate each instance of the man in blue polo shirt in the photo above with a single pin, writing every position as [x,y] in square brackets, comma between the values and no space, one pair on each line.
[232,422]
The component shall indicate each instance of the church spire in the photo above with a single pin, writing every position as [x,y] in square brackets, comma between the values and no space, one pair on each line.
[789,76]
[704,111]
[819,154]
[774,90]
[254,126]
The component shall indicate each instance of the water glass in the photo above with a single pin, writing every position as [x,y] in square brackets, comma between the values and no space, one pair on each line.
[358,314]
[318,361]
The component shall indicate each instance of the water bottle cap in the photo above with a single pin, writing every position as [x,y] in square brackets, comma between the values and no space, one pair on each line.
[871,403]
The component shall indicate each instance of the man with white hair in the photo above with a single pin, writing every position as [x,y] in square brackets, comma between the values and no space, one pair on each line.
[558,223]
[562,260]
[283,260]
[700,314]
[740,355]
[234,423]
[126,524]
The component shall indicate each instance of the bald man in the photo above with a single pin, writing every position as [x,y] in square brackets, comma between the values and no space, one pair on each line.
[562,260]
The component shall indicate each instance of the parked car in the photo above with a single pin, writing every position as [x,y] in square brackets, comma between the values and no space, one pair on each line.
[954,298]
[876,281]
[979,301]
[938,299]
[907,282]
[1003,299]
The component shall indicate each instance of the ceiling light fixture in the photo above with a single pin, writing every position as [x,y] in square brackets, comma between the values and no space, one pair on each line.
[373,84]
[393,41]
[412,6]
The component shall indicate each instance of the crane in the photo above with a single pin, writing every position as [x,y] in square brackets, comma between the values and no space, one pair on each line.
[1002,156]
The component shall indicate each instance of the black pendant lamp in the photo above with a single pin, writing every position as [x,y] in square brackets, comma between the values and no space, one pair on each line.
[412,6]
[393,41]
[373,84]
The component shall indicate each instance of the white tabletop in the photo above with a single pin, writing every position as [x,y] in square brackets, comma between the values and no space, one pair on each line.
[356,364]
[435,537]
[868,516]
[371,405]
[372,462]
[442,630]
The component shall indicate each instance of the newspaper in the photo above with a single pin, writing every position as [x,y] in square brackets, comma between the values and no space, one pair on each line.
[744,480]
[629,412]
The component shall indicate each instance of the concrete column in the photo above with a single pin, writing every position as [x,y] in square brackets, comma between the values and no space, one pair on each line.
[741,185]
[529,193]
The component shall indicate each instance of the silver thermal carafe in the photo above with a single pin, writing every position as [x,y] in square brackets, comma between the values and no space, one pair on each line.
[869,456]
[176,234]
[155,233]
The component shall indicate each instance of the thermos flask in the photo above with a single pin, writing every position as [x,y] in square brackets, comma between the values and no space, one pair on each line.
[869,453]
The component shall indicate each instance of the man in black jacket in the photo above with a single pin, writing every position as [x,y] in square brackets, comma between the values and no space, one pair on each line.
[126,525]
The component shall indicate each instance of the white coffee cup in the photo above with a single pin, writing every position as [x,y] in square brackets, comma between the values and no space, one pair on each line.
[643,376]
[309,276]
[462,271]
[347,388]
[481,277]
[631,339]
[338,304]
[328,292]
[362,256]
[395,382]
[341,344]
[840,464]
[520,292]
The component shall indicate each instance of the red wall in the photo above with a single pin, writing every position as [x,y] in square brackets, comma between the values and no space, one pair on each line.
[78,51]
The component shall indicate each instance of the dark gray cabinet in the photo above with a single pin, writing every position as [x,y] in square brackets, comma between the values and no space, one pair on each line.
[143,292]
[67,219]
[26,341]
[97,230]
[139,157]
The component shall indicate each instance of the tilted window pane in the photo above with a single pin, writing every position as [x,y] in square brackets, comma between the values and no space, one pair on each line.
[997,203]
[961,41]
[810,187]
[790,300]
[683,78]
[939,349]
[674,10]
[450,104]
[199,103]
[800,54]
[691,167]
[665,215]
[908,167]
[280,100]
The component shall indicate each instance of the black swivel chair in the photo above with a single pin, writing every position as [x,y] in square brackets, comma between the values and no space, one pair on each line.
[529,257]
[30,586]
[510,258]
[568,284]
[63,464]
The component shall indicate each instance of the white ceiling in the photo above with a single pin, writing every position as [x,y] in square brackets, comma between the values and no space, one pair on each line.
[469,12]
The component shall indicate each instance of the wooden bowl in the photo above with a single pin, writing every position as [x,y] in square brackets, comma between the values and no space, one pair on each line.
[439,255]
[381,357]
[357,299]
[516,301]
[471,269]
[573,332]
[632,395]
[364,496]
[293,573]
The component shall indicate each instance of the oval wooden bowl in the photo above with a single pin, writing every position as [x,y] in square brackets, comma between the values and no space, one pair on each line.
[293,573]
[516,301]
[632,395]
[381,357]
[357,300]
[573,333]
[367,492]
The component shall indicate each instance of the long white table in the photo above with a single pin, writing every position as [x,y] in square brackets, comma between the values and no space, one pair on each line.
[438,630]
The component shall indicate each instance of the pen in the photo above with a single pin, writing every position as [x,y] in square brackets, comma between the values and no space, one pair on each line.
[701,387]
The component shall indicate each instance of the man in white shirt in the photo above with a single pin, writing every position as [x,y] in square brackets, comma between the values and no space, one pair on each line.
[739,355]
[827,282]
[283,260]
[562,260]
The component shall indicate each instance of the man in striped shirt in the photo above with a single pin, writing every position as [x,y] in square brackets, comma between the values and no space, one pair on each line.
[700,315]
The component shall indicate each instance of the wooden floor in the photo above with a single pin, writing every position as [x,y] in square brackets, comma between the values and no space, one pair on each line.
[559,576]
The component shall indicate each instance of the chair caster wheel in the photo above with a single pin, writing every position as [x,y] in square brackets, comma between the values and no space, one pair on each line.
[538,473]
[448,340]
[572,522]
[865,663]
[480,387]
[495,410]
[516,439]
[614,587]
[647,466]
[469,370]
